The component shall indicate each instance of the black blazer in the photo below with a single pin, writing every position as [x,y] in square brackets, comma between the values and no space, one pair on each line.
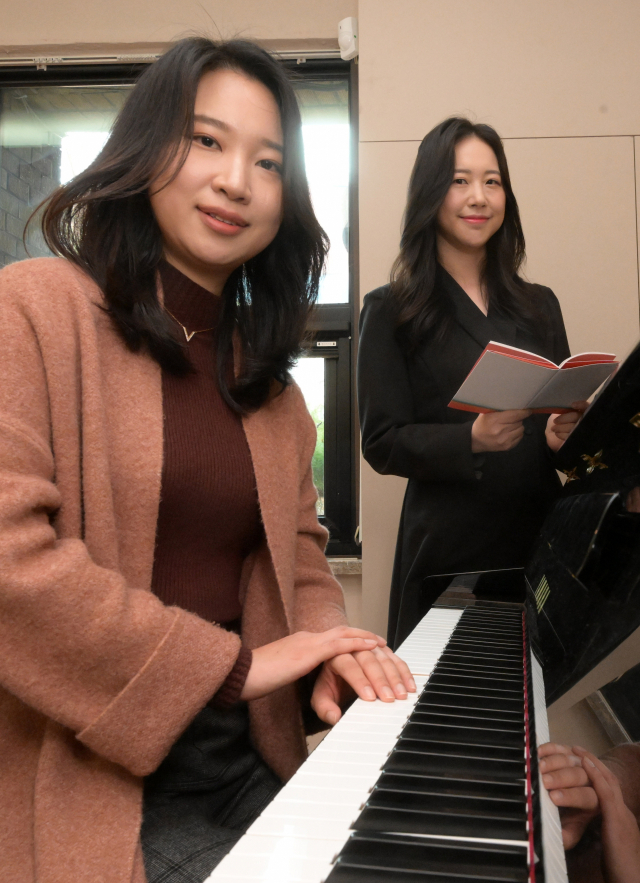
[462,511]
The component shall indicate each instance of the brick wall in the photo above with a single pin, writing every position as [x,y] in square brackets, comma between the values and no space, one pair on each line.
[27,176]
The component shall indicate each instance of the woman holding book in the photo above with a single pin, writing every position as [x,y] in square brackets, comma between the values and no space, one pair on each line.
[164,594]
[479,485]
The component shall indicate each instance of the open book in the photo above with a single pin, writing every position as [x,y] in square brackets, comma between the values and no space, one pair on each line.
[505,377]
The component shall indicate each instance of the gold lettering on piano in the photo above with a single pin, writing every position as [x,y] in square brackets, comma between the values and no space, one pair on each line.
[594,462]
[542,593]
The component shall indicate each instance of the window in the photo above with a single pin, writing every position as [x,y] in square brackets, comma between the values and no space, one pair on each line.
[54,122]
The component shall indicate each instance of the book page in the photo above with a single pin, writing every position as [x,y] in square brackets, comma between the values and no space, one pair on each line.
[502,383]
[586,359]
[572,385]
[514,352]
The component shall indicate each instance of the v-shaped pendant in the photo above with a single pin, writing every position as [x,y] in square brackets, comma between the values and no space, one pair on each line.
[188,334]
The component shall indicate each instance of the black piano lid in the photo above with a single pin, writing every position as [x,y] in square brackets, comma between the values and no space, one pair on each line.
[603,452]
[584,574]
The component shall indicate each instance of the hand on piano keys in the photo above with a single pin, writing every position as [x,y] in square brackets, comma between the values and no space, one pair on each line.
[355,662]
[377,673]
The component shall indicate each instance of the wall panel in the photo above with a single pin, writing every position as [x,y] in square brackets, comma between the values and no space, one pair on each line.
[68,22]
[577,202]
[533,68]
[384,175]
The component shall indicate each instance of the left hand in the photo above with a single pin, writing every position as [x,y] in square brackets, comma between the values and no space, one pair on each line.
[368,673]
[560,426]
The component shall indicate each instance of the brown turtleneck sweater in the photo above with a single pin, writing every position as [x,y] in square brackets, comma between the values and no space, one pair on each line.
[209,518]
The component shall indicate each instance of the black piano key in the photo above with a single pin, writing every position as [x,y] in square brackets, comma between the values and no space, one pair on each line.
[478,670]
[406,812]
[450,785]
[472,749]
[442,695]
[514,668]
[459,765]
[494,686]
[383,796]
[510,643]
[509,651]
[504,721]
[443,824]
[388,858]
[456,732]
[456,657]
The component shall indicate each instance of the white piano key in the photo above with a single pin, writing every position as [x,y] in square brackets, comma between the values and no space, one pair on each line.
[280,860]
[304,829]
[555,864]
[316,780]
[422,649]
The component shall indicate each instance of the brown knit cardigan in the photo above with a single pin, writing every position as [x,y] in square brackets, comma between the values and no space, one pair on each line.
[97,677]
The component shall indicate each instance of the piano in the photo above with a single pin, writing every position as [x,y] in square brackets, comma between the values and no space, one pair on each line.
[444,787]
[440,787]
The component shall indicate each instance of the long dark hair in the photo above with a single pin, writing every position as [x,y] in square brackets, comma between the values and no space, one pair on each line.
[421,308]
[102,221]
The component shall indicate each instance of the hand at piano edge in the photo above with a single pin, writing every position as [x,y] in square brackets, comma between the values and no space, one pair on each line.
[620,834]
[370,674]
[569,788]
[355,661]
[584,787]
[560,426]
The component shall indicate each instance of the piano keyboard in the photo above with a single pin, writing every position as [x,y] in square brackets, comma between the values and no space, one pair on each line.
[429,789]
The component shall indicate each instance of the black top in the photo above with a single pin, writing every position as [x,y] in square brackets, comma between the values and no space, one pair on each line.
[462,511]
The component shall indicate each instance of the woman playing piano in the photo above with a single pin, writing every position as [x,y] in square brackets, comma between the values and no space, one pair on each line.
[167,616]
[479,486]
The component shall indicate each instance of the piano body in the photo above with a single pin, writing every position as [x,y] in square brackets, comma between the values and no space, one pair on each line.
[445,787]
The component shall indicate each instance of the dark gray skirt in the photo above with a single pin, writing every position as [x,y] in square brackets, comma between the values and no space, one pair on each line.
[204,795]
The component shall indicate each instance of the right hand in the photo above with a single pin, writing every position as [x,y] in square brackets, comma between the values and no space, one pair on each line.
[282,662]
[620,834]
[567,782]
[497,430]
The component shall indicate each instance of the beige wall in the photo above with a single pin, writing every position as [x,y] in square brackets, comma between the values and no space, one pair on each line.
[140,23]
[561,83]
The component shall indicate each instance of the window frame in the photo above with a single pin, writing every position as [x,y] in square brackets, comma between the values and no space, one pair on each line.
[329,322]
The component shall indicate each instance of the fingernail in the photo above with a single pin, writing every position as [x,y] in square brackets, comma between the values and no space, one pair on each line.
[368,693]
[558,795]
[412,685]
[401,692]
[387,692]
[590,762]
[333,717]
[543,765]
[370,641]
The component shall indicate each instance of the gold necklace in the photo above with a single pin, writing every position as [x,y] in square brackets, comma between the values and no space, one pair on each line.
[187,334]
